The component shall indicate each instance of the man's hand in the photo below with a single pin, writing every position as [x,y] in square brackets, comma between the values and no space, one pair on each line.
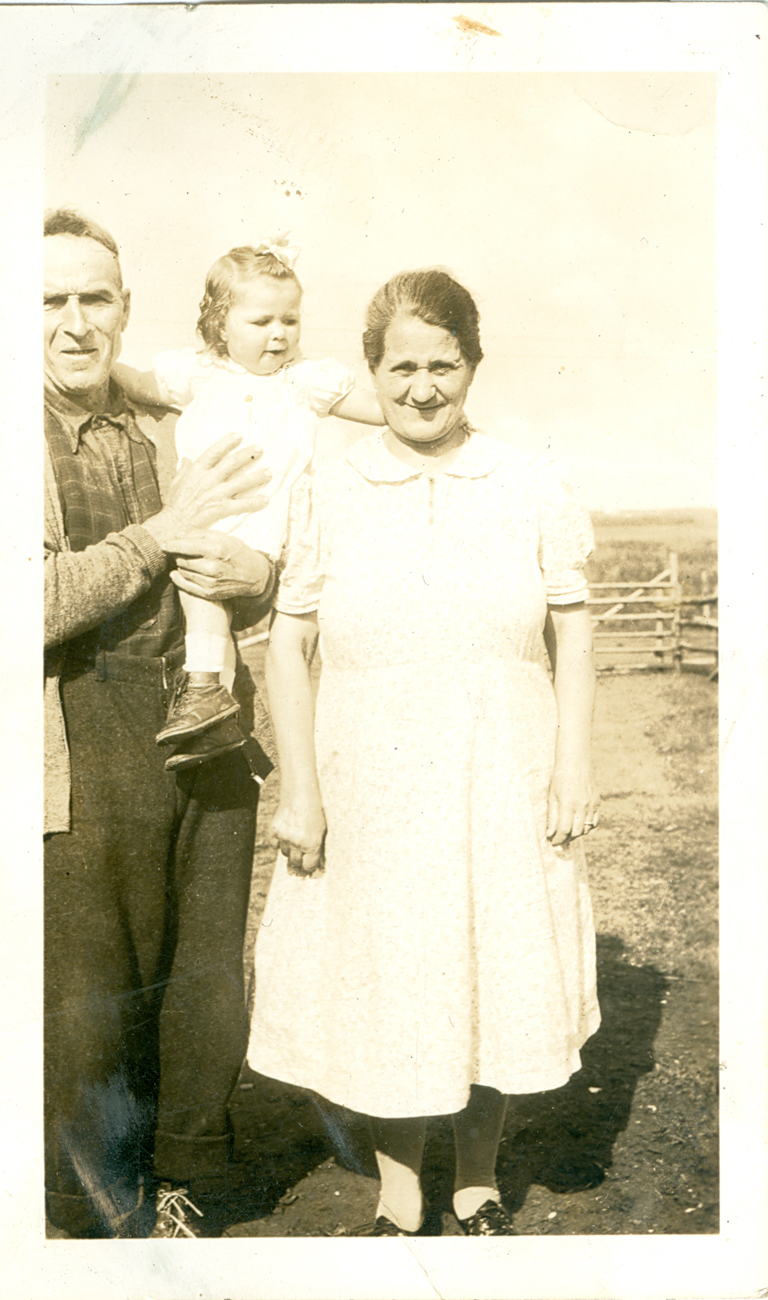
[223,481]
[216,566]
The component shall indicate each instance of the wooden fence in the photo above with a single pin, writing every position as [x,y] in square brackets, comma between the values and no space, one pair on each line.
[641,626]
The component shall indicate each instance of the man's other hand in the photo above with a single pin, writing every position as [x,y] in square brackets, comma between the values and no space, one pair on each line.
[216,566]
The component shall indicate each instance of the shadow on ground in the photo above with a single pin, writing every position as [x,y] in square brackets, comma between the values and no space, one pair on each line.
[561,1140]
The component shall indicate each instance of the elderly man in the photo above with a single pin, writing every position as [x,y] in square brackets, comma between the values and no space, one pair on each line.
[147,872]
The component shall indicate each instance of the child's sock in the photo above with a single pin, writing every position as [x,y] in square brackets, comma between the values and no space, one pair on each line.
[208,640]
[206,652]
[227,672]
[224,677]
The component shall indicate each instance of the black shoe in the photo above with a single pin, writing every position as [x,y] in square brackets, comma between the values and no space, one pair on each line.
[384,1227]
[221,739]
[491,1220]
[193,709]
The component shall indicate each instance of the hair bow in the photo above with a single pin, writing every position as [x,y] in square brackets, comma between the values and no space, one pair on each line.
[279,247]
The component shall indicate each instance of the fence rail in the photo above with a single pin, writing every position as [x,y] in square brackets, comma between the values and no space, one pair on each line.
[681,636]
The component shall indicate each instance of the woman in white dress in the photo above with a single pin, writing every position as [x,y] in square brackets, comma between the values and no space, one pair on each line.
[428,946]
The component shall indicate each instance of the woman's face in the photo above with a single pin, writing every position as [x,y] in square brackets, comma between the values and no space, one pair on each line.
[422,382]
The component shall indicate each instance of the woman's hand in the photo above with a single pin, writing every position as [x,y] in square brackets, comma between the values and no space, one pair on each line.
[573,804]
[298,831]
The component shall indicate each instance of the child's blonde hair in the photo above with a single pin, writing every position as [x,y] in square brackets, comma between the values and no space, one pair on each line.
[235,267]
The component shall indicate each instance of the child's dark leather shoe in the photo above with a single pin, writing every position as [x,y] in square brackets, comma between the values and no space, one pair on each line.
[193,709]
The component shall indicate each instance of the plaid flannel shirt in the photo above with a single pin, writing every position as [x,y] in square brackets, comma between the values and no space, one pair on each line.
[106,474]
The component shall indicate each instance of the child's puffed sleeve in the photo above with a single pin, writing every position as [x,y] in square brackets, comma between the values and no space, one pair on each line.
[300,575]
[175,373]
[566,539]
[324,383]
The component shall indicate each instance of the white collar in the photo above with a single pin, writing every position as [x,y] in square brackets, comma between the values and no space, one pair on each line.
[478,456]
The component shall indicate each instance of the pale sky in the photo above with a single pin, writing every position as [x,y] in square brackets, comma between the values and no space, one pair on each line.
[578,208]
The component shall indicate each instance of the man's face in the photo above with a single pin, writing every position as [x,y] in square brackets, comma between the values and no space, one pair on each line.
[85,313]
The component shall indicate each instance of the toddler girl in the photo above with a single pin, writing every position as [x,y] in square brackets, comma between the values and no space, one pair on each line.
[249,379]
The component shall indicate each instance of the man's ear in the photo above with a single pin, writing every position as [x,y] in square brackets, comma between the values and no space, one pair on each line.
[126,307]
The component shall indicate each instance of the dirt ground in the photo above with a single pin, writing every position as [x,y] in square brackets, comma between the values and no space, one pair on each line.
[630,1144]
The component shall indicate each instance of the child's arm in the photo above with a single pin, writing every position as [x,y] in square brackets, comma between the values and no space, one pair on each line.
[361,405]
[139,386]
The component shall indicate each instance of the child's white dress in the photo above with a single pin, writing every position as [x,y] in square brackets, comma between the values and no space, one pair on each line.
[277,413]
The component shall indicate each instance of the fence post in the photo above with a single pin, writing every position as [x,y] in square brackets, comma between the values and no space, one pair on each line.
[677,597]
[658,649]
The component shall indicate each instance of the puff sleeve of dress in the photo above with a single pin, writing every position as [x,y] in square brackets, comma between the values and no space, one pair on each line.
[176,373]
[324,383]
[300,575]
[566,539]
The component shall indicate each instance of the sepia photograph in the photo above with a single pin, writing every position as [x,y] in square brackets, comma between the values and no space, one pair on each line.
[567,221]
[387,500]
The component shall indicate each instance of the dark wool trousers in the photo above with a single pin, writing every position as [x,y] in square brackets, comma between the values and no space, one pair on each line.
[146,900]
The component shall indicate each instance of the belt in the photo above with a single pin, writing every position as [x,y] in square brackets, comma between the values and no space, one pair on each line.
[109,666]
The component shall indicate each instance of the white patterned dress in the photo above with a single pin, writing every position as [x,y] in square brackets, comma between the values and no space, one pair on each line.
[446,942]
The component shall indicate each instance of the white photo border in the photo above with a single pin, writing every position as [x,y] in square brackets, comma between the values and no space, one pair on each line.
[730,39]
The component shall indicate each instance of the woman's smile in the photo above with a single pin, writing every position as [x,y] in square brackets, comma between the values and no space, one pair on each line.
[425,408]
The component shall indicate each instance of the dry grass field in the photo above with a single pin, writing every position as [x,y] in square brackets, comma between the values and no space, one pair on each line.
[637,544]
[637,547]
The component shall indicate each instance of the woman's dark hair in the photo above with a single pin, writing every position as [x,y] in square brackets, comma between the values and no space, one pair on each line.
[432,296]
[235,267]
